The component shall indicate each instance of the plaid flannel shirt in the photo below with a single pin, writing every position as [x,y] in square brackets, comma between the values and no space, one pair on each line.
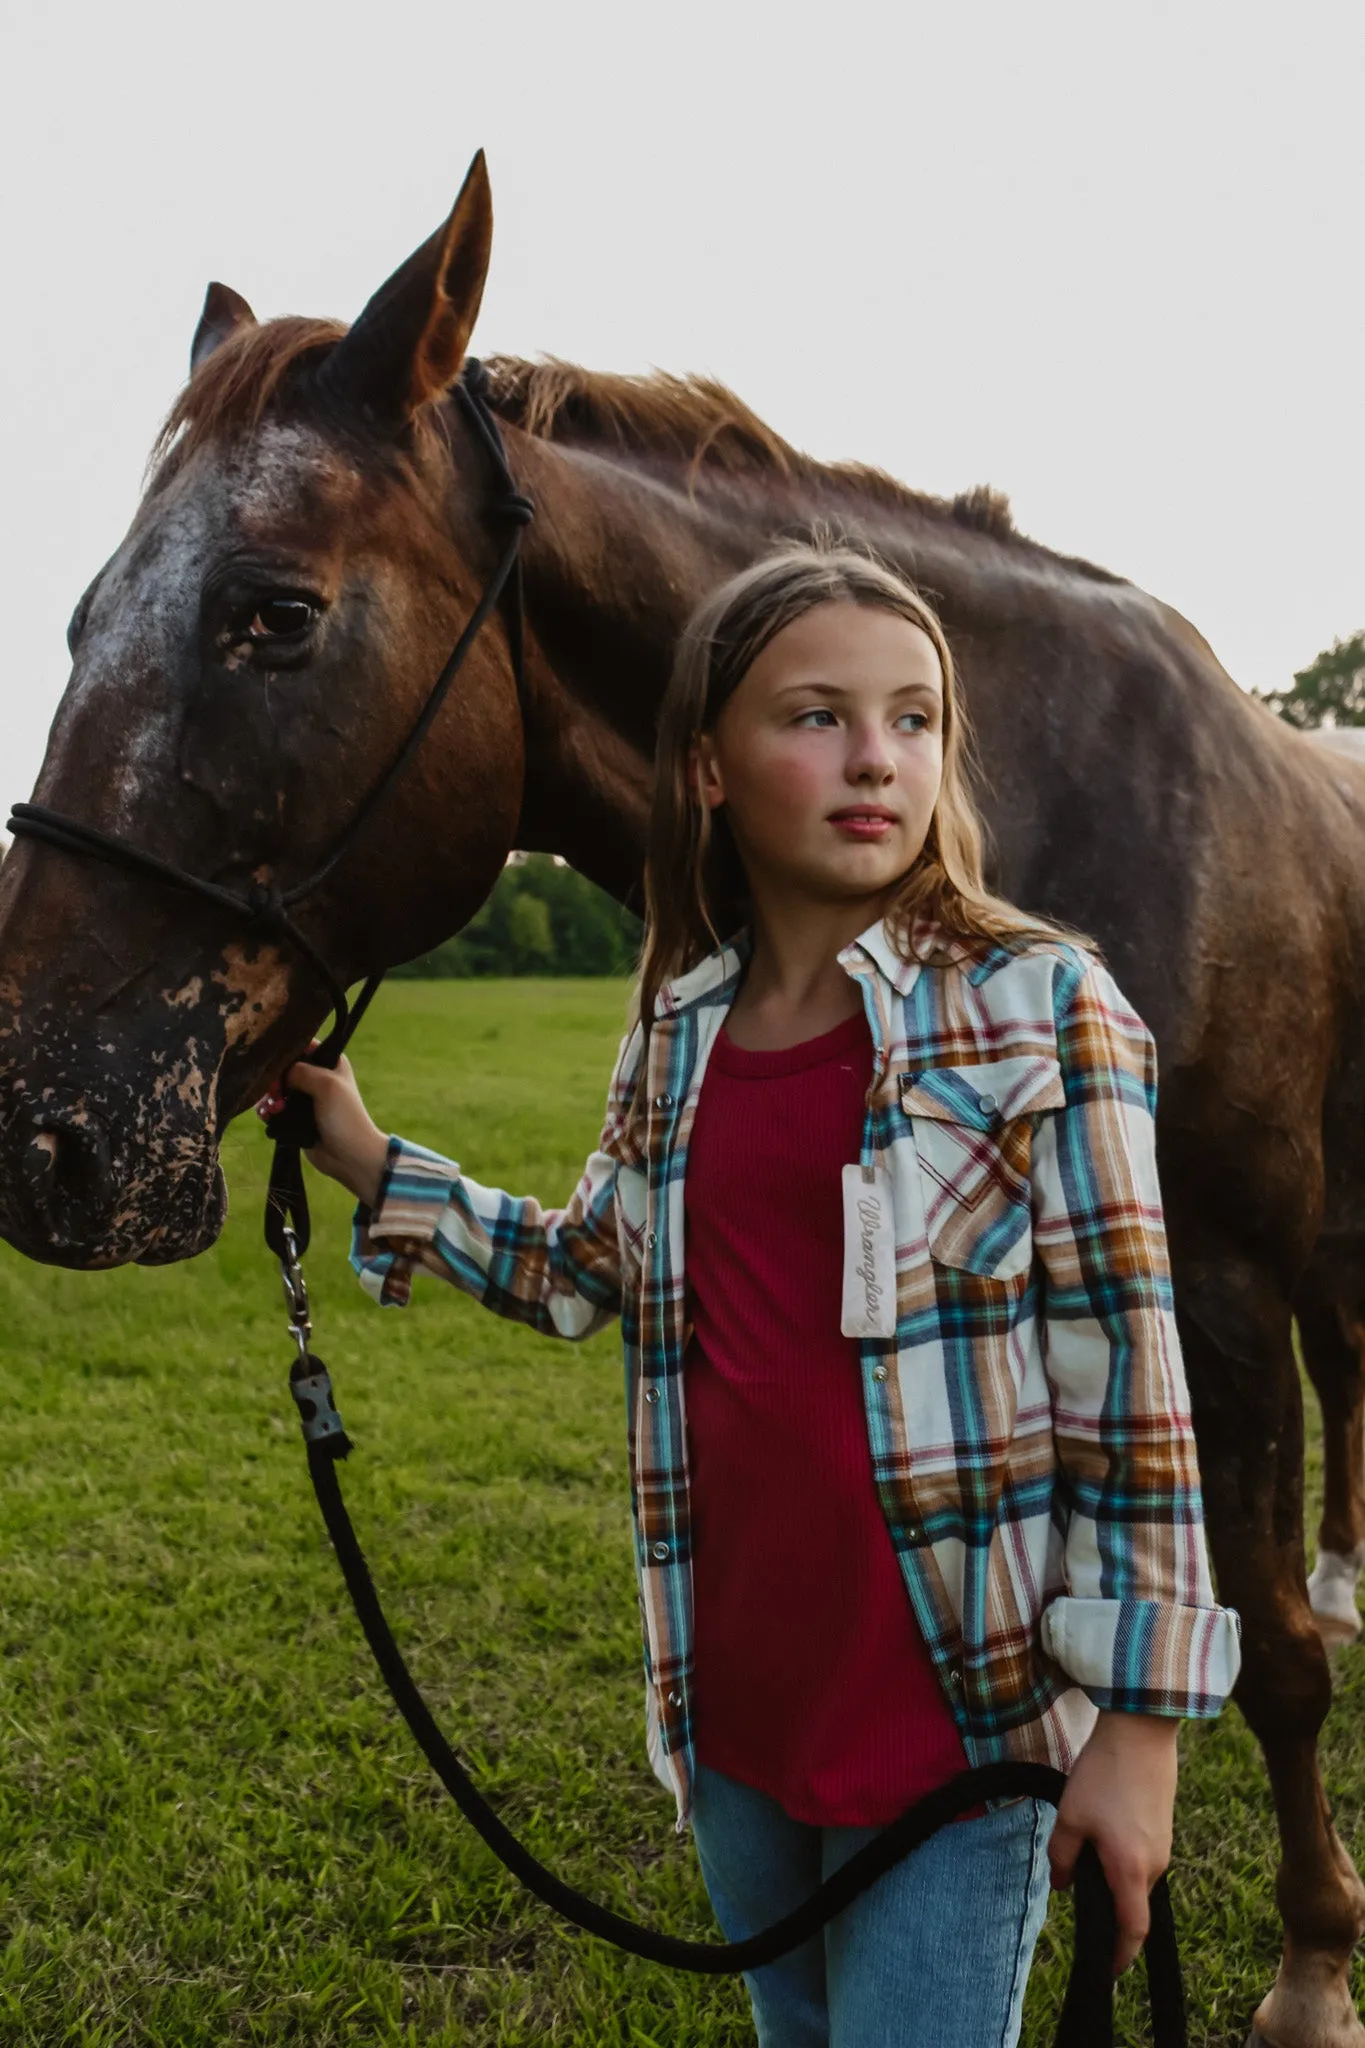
[1028,1423]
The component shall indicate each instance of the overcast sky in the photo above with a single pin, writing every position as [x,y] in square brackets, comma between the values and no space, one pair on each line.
[1108,258]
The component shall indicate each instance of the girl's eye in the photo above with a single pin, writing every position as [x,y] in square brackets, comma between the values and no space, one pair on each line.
[282,618]
[820,717]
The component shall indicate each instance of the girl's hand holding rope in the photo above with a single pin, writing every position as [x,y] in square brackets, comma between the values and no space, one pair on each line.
[351,1147]
[1121,1797]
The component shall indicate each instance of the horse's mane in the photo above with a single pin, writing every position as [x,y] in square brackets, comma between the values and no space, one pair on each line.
[694,420]
[704,424]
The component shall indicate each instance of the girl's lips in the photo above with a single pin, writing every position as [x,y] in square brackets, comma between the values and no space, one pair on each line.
[862,824]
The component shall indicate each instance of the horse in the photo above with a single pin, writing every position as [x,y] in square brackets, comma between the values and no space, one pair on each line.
[1330,1313]
[310,540]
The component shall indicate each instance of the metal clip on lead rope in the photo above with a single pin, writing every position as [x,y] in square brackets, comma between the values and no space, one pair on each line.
[310,1383]
[295,1292]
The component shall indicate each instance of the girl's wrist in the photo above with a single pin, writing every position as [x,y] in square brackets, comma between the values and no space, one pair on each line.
[367,1170]
[1156,1731]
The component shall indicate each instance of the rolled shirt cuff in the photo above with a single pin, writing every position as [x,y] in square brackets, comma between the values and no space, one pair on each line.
[1146,1656]
[386,1239]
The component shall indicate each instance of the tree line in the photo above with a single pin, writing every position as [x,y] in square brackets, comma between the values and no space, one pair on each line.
[1330,691]
[542,918]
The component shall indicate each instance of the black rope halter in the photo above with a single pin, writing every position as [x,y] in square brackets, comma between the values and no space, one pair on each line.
[1087,2017]
[266,908]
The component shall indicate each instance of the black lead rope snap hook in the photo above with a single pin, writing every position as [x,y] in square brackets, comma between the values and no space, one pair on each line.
[295,1292]
[310,1383]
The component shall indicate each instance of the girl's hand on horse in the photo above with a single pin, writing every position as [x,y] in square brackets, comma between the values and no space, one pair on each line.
[351,1147]
[1121,1797]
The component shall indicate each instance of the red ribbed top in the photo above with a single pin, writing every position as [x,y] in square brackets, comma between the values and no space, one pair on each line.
[812,1680]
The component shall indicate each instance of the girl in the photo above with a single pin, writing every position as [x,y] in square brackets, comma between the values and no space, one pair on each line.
[913,1478]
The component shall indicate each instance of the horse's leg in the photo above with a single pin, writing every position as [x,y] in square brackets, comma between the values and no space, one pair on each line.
[1333,1352]
[1249,1421]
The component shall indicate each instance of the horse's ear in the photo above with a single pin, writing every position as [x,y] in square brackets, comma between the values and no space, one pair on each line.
[224,312]
[408,344]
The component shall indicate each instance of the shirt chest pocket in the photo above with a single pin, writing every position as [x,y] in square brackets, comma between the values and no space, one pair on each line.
[973,1132]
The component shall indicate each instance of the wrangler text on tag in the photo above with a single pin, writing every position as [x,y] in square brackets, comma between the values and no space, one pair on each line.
[869,1213]
[869,1291]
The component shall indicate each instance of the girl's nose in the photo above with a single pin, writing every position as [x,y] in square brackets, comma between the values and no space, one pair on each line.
[870,758]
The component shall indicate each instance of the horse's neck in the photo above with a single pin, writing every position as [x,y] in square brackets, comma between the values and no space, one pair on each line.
[613,564]
[617,557]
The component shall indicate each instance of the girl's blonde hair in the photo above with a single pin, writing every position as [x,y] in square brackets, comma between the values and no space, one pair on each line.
[695,887]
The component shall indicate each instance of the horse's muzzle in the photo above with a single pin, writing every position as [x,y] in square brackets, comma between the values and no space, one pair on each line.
[83,1189]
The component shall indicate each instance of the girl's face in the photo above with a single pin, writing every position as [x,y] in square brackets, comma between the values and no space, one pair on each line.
[829,754]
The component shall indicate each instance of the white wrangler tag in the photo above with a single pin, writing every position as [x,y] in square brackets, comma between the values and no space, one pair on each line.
[869,1308]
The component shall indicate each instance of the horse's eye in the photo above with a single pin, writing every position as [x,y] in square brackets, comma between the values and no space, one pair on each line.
[282,618]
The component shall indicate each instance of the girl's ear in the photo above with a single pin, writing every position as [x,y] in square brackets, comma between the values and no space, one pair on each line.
[703,772]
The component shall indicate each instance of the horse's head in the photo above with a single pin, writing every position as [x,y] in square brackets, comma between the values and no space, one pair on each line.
[244,668]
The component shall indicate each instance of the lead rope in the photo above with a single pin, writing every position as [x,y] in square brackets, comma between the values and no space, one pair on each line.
[1087,2019]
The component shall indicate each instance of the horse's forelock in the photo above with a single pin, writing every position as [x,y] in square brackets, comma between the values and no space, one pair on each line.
[233,388]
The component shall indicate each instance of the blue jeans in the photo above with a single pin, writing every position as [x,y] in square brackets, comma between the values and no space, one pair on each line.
[937,1953]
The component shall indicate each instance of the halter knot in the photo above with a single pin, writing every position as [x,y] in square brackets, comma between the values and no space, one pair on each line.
[265,907]
[515,508]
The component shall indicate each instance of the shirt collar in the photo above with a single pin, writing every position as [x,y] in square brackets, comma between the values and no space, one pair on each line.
[714,978]
[930,946]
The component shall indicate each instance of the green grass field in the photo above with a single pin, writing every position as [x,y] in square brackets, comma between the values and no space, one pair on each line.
[214,1829]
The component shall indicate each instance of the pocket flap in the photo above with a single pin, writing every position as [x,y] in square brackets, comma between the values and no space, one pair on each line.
[985,1093]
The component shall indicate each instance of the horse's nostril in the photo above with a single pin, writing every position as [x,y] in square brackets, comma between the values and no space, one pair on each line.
[40,1157]
[65,1164]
